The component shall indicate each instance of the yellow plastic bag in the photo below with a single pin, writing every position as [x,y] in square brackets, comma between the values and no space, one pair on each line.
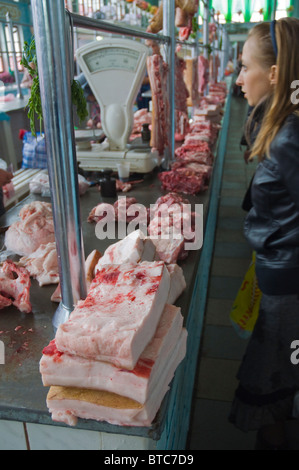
[245,308]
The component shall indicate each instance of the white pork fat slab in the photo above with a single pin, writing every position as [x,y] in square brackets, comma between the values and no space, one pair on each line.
[134,248]
[68,404]
[120,315]
[65,370]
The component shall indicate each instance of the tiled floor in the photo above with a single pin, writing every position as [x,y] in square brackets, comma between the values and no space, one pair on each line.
[221,348]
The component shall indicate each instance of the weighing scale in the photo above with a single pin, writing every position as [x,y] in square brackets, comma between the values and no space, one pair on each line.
[114,69]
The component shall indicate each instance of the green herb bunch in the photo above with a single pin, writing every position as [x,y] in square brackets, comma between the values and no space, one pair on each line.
[29,61]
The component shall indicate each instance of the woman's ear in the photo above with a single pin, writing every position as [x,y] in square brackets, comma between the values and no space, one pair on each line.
[273,75]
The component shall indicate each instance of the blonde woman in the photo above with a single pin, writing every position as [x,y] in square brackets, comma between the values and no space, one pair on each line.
[267,377]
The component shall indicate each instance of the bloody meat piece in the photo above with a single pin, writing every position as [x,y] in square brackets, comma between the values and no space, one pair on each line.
[15,287]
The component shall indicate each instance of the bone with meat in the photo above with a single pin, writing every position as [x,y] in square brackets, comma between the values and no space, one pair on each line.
[35,228]
[15,287]
[119,315]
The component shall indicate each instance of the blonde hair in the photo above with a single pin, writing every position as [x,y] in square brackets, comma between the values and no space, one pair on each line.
[278,104]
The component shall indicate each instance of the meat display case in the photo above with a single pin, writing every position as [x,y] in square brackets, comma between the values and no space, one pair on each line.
[22,396]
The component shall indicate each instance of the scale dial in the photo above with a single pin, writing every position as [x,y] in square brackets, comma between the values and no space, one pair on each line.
[117,58]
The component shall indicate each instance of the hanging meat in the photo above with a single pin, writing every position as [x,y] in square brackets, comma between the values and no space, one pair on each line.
[158,75]
[185,10]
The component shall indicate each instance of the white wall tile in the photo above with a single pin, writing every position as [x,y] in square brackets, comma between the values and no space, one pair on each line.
[12,435]
[123,442]
[47,437]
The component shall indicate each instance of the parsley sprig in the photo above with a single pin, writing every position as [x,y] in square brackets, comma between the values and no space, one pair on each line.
[29,61]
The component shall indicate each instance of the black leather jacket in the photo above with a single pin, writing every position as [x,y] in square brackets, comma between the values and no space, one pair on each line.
[2,210]
[272,224]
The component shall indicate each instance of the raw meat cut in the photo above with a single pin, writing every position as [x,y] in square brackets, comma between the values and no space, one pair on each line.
[121,207]
[170,249]
[183,180]
[15,287]
[170,226]
[119,315]
[66,404]
[158,76]
[206,128]
[191,80]
[203,73]
[200,147]
[181,125]
[206,170]
[42,264]
[134,248]
[101,211]
[35,228]
[177,283]
[142,116]
[113,212]
[214,67]
[189,7]
[168,200]
[181,90]
[63,369]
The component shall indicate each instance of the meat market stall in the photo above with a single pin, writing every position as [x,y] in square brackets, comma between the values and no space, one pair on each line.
[23,408]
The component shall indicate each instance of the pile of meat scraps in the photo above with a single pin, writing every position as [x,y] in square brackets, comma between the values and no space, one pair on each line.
[35,228]
[42,264]
[114,358]
[14,287]
[171,226]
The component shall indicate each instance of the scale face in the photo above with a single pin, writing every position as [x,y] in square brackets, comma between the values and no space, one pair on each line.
[114,69]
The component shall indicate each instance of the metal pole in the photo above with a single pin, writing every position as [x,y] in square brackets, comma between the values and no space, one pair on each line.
[101,25]
[273,13]
[206,17]
[206,14]
[169,30]
[54,65]
[13,50]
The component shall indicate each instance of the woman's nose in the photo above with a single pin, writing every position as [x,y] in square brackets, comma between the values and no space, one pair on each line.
[239,80]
